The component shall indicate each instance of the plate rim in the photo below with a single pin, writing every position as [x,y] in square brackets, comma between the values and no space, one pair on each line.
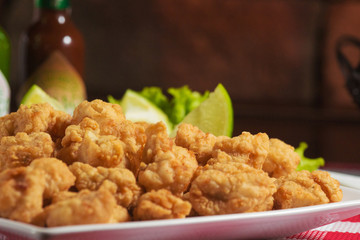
[24,228]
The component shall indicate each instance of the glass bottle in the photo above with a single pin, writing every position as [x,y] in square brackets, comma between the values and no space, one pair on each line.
[4,73]
[53,54]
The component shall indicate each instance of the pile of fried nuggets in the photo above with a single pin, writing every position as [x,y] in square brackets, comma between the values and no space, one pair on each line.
[98,167]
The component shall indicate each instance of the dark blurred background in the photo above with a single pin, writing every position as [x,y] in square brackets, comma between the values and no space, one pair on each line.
[275,57]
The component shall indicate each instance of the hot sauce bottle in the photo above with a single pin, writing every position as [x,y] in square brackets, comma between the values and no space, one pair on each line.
[53,54]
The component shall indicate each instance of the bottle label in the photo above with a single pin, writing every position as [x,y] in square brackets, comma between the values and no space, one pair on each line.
[59,79]
[4,95]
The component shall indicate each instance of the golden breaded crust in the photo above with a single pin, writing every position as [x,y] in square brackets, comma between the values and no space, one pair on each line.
[41,118]
[165,165]
[161,204]
[281,160]
[231,187]
[58,177]
[22,149]
[329,185]
[119,181]
[21,194]
[107,115]
[254,147]
[86,207]
[83,143]
[298,189]
[192,138]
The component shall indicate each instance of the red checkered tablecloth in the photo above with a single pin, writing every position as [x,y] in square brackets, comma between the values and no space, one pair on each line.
[347,229]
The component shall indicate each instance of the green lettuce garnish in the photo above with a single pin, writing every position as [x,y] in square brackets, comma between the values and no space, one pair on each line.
[182,101]
[156,96]
[306,163]
[111,99]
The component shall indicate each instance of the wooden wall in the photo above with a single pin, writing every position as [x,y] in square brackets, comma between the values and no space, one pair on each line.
[276,58]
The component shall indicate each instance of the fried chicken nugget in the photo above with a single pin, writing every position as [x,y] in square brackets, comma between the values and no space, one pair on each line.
[61,196]
[84,143]
[161,204]
[157,141]
[120,214]
[165,165]
[111,121]
[281,159]
[231,187]
[21,194]
[58,177]
[107,115]
[299,189]
[255,148]
[222,157]
[7,125]
[192,138]
[329,185]
[35,118]
[22,149]
[86,207]
[120,181]
[134,137]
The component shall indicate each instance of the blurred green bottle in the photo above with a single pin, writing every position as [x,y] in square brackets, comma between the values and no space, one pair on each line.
[4,72]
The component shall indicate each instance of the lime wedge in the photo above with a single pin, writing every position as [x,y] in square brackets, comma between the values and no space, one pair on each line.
[137,109]
[214,115]
[36,95]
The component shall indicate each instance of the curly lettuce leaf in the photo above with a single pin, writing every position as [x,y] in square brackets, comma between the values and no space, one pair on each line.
[306,163]
[112,100]
[182,101]
[156,96]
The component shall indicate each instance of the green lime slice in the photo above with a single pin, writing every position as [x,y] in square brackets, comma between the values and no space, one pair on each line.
[137,108]
[214,115]
[36,95]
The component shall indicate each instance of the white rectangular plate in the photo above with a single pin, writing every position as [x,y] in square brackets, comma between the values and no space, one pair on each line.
[270,224]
